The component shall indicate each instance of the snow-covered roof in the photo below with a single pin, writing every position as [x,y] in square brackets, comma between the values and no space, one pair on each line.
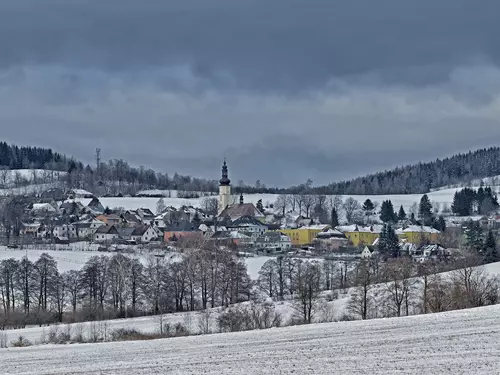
[81,192]
[316,227]
[43,207]
[376,228]
[417,229]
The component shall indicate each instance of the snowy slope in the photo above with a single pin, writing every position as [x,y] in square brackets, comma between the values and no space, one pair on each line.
[459,342]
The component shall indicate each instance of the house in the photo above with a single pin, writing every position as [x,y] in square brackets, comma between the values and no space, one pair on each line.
[39,209]
[126,233]
[146,215]
[111,219]
[273,241]
[65,231]
[304,235]
[71,208]
[145,234]
[248,225]
[95,205]
[419,234]
[130,218]
[80,193]
[368,252]
[106,233]
[331,240]
[359,235]
[84,230]
[181,229]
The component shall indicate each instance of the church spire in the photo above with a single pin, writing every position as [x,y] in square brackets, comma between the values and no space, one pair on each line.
[224,181]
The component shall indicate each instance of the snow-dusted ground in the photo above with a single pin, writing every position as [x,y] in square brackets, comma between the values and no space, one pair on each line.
[151,324]
[459,342]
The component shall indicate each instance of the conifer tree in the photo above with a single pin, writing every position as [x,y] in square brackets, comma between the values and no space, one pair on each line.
[260,206]
[335,218]
[382,241]
[425,210]
[387,213]
[368,206]
[474,236]
[392,242]
[401,214]
[490,249]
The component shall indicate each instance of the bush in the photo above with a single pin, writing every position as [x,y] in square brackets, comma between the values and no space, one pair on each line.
[21,342]
[131,334]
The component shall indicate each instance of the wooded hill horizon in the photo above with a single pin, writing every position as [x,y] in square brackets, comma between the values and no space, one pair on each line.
[418,178]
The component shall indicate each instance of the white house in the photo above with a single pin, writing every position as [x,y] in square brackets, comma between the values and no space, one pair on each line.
[367,253]
[106,233]
[65,231]
[273,240]
[145,234]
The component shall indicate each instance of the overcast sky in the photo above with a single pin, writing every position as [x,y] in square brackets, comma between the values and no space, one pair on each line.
[285,89]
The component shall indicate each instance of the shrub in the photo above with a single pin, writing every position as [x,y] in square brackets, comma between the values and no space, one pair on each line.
[21,342]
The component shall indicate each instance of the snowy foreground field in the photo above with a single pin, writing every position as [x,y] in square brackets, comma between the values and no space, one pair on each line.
[459,342]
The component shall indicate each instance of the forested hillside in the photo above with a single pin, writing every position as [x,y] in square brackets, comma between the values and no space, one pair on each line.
[421,177]
[15,157]
[117,176]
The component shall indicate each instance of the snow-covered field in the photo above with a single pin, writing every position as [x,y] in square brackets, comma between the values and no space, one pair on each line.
[459,342]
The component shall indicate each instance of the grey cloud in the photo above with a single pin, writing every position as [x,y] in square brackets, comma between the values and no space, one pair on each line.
[288,90]
[279,45]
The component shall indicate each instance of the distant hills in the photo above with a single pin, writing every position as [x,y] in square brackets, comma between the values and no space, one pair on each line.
[418,178]
[119,177]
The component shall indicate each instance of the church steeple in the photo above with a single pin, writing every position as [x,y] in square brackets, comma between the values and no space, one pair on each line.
[224,181]
[224,189]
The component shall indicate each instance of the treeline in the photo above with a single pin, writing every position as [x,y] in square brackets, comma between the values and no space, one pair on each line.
[117,176]
[118,286]
[469,201]
[15,157]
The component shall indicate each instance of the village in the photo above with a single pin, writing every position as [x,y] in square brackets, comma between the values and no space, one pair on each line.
[227,221]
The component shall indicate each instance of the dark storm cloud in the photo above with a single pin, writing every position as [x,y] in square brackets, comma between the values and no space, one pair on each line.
[286,89]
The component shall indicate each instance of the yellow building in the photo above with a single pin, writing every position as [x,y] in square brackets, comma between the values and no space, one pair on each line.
[361,236]
[419,234]
[304,235]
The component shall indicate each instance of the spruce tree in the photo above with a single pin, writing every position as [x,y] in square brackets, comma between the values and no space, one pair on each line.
[474,236]
[490,249]
[401,214]
[335,218]
[387,213]
[260,206]
[382,241]
[392,242]
[425,210]
[368,206]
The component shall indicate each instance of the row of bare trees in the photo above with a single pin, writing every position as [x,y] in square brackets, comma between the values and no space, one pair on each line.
[399,287]
[119,286]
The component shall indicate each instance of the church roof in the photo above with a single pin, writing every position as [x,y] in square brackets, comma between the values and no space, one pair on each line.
[245,209]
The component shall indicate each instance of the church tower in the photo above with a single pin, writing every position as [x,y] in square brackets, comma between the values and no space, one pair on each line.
[224,189]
